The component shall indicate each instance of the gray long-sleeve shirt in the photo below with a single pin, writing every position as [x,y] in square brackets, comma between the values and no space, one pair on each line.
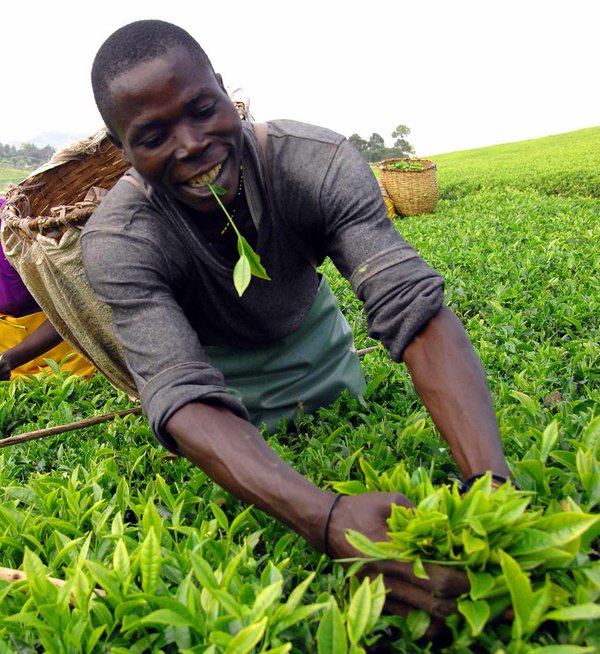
[171,293]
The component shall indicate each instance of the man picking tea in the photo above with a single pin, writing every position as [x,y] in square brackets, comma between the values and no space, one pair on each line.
[219,346]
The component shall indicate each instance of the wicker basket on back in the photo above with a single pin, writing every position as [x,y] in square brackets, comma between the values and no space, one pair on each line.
[412,186]
[41,226]
[58,194]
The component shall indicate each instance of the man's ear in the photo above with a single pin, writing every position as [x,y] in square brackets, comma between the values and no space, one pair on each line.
[114,139]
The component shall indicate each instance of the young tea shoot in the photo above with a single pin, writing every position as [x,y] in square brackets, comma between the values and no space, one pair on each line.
[249,262]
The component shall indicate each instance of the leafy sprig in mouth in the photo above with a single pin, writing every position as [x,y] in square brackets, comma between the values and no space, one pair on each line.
[249,262]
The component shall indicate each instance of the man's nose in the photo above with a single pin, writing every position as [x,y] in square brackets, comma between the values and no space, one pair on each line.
[191,141]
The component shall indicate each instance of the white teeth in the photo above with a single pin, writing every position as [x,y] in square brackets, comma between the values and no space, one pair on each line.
[206,179]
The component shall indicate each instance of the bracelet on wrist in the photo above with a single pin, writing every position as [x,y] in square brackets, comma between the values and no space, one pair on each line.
[327,522]
[497,481]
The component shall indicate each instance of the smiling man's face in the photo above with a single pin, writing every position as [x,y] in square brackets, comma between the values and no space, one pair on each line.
[175,124]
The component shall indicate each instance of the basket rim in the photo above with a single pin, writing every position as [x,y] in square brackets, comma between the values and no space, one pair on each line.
[89,167]
[428,164]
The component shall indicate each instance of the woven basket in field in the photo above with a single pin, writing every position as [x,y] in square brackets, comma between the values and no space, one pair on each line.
[413,192]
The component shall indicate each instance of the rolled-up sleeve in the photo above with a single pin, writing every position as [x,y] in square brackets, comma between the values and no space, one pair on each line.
[166,360]
[400,294]
[399,290]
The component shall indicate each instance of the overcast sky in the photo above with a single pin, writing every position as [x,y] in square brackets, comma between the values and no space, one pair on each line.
[459,73]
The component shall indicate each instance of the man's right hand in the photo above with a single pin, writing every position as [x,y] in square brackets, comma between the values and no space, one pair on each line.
[368,514]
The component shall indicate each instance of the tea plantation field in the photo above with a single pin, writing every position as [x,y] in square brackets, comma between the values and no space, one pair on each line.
[10,175]
[156,558]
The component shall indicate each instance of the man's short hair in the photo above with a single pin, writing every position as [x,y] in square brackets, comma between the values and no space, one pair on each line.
[133,44]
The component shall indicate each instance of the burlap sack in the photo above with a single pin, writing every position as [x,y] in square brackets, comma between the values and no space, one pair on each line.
[53,273]
[41,225]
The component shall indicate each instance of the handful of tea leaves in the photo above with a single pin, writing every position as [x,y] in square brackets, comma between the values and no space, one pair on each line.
[410,166]
[511,553]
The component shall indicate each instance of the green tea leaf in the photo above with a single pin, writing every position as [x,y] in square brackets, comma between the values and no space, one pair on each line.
[220,516]
[527,402]
[295,597]
[246,638]
[549,438]
[256,268]
[121,559]
[282,649]
[591,436]
[150,562]
[349,487]
[266,598]
[36,575]
[520,593]
[565,527]
[476,614]
[363,544]
[482,584]
[104,578]
[203,572]
[238,523]
[298,615]
[419,569]
[588,611]
[418,622]
[378,594]
[228,602]
[241,275]
[167,617]
[359,612]
[331,635]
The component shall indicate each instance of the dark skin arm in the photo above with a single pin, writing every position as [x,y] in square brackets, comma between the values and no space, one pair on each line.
[43,339]
[450,380]
[234,454]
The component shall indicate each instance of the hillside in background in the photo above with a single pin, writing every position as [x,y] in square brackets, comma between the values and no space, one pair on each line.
[563,164]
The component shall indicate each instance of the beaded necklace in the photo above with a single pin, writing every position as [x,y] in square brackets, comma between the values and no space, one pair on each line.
[235,201]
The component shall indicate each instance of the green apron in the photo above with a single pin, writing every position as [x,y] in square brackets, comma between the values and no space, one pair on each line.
[307,370]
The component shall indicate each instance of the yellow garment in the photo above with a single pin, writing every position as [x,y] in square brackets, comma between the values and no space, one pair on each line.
[391,210]
[390,207]
[14,330]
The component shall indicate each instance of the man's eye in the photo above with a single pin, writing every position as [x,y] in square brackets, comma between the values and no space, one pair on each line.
[153,141]
[205,110]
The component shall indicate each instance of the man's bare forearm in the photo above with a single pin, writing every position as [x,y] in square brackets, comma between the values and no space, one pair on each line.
[233,453]
[450,380]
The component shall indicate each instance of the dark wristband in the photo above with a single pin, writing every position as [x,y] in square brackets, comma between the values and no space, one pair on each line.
[497,481]
[327,521]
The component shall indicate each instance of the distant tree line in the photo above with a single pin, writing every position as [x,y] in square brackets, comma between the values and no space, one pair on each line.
[375,149]
[27,155]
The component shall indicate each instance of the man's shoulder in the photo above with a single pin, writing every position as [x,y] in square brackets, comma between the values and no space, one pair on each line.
[118,209]
[287,128]
[302,153]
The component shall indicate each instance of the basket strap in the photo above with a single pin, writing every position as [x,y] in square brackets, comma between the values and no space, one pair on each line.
[134,182]
[260,130]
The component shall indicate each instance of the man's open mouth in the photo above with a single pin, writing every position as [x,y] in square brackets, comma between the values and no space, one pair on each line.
[206,178]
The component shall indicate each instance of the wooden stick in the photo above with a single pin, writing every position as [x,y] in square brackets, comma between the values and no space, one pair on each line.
[59,429]
[366,350]
[10,575]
